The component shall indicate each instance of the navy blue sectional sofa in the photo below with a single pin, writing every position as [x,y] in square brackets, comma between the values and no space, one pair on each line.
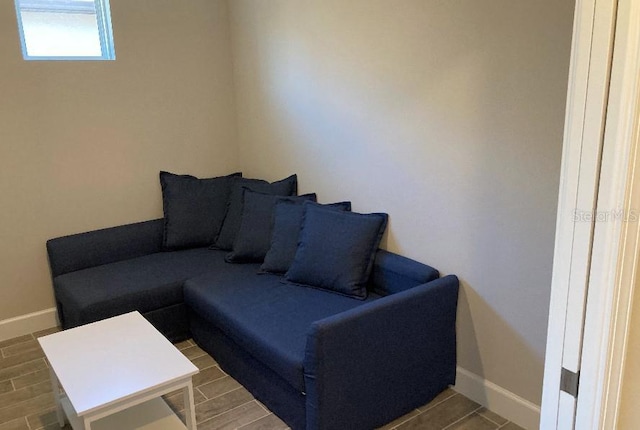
[317,359]
[324,361]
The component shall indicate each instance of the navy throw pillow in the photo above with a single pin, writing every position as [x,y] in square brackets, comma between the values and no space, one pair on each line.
[233,218]
[254,236]
[194,209]
[336,250]
[287,223]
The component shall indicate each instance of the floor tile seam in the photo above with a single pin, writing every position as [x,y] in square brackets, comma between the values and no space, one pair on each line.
[201,393]
[193,358]
[266,412]
[15,405]
[22,364]
[421,411]
[2,408]
[43,383]
[263,407]
[227,411]
[22,376]
[194,402]
[227,392]
[214,364]
[185,346]
[35,345]
[18,354]
[206,399]
[431,406]
[17,343]
[200,402]
[489,419]
[29,425]
[448,426]
[213,380]
[257,419]
[205,368]
[46,332]
[45,411]
[405,421]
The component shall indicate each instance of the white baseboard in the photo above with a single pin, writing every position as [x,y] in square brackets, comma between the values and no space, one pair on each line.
[29,323]
[497,399]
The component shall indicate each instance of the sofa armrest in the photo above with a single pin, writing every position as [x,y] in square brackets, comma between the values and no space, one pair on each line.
[98,247]
[368,365]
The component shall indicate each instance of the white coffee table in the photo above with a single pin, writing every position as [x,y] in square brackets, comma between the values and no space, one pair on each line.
[113,373]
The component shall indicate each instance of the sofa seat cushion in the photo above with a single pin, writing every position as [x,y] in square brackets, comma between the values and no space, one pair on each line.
[144,283]
[266,317]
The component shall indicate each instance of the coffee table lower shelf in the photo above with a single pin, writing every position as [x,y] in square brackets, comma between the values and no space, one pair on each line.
[154,414]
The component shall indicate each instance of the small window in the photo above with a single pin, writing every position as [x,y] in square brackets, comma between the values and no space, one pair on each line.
[65,29]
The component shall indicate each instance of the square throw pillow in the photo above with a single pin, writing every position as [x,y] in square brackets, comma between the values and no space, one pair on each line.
[287,223]
[233,217]
[254,236]
[336,250]
[193,208]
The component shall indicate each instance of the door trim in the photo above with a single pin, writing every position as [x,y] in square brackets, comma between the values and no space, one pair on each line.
[616,243]
[584,126]
[587,97]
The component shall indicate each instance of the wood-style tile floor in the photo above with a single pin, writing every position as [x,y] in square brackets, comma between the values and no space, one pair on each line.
[26,400]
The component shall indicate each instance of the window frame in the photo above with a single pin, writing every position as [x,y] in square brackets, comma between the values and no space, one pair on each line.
[105,35]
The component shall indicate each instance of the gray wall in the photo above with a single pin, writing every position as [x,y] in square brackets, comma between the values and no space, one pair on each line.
[448,115]
[81,143]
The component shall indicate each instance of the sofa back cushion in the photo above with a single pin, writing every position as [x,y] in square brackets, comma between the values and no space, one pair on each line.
[193,208]
[231,225]
[336,250]
[254,236]
[393,273]
[287,223]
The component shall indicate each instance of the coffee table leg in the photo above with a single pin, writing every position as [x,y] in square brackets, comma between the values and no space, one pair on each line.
[56,396]
[189,407]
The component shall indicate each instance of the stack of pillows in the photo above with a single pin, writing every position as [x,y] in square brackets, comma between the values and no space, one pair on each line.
[310,244]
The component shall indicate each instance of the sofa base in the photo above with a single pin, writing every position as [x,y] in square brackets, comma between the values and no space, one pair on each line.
[171,321]
[265,385]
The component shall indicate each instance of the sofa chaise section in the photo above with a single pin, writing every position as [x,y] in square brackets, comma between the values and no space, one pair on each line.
[103,273]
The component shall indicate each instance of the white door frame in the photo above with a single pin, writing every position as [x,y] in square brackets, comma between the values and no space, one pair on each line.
[584,126]
[612,243]
[616,244]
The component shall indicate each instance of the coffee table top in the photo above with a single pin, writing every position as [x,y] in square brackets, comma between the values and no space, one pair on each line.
[113,359]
